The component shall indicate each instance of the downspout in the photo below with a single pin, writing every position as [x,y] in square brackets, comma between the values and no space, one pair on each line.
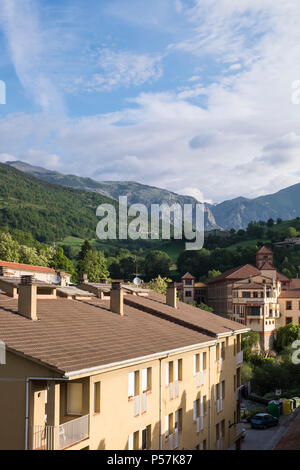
[27,382]
[210,398]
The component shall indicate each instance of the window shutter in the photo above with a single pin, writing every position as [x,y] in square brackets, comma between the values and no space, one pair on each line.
[195,363]
[221,390]
[195,411]
[202,407]
[166,426]
[131,387]
[176,366]
[130,442]
[215,393]
[144,380]
[167,374]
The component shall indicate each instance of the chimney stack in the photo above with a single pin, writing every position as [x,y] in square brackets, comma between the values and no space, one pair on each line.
[84,279]
[116,298]
[27,298]
[62,279]
[171,295]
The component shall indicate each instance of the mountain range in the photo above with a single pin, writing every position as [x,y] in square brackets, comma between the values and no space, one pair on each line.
[235,213]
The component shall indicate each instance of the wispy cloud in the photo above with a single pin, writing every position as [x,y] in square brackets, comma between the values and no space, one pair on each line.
[29,52]
[108,69]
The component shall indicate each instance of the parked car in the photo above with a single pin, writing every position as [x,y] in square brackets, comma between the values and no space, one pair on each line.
[263,421]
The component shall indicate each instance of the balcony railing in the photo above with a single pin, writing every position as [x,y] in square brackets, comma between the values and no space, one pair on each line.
[62,436]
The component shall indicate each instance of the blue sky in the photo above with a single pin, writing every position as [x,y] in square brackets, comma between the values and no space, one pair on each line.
[190,95]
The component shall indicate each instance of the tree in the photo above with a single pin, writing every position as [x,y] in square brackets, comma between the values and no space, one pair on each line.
[85,248]
[159,284]
[157,263]
[286,335]
[250,340]
[61,262]
[270,223]
[279,221]
[292,232]
[94,265]
[246,373]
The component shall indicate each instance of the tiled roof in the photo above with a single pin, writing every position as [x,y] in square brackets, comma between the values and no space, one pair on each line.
[290,294]
[268,266]
[184,314]
[241,272]
[264,250]
[73,335]
[188,276]
[27,267]
[295,283]
[281,277]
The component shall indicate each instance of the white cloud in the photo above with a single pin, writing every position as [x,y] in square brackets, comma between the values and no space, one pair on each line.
[28,49]
[117,69]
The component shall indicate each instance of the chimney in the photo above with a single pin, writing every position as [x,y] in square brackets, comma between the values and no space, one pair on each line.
[27,298]
[84,279]
[62,279]
[116,298]
[171,295]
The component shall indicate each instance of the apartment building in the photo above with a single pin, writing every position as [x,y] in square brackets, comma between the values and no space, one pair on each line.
[124,370]
[257,296]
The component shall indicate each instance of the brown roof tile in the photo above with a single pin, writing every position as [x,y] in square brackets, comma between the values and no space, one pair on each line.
[73,335]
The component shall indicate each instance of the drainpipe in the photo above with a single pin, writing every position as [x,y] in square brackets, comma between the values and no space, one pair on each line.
[210,398]
[27,382]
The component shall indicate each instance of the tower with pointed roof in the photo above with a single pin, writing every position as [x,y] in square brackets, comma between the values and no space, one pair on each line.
[264,256]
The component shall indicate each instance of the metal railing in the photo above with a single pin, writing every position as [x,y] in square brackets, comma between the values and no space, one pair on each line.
[73,431]
[43,437]
[62,436]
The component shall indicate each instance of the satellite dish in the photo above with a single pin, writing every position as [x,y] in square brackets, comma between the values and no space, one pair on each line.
[137,281]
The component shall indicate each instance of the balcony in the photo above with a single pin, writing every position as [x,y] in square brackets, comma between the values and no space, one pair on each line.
[239,358]
[62,436]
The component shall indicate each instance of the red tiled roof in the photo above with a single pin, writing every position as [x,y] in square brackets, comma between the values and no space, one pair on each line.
[188,276]
[290,294]
[73,335]
[264,250]
[241,272]
[268,266]
[282,277]
[27,267]
[295,283]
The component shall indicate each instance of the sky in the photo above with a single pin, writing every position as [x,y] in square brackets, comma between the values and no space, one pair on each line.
[200,97]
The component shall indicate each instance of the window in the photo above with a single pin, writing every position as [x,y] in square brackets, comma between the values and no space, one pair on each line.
[217,352]
[168,425]
[204,401]
[223,350]
[288,320]
[147,379]
[133,384]
[196,363]
[178,419]
[178,370]
[133,441]
[196,409]
[246,295]
[255,294]
[288,305]
[97,397]
[169,373]
[188,293]
[74,398]
[146,438]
